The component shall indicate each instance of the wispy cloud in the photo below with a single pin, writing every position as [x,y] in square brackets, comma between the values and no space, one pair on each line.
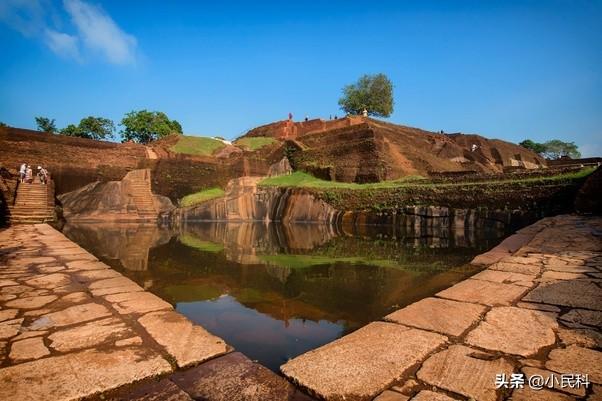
[99,32]
[62,44]
[95,32]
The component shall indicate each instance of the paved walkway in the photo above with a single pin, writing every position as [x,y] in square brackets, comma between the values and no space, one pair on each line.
[535,311]
[71,327]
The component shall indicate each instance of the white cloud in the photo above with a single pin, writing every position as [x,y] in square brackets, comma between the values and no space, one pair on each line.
[98,31]
[95,29]
[62,44]
[591,150]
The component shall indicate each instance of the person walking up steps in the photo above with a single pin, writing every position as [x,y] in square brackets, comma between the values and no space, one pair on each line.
[22,172]
[29,175]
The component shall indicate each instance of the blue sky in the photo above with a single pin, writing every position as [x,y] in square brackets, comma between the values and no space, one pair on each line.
[509,70]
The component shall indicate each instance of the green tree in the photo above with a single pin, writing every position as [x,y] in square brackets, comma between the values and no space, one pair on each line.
[371,92]
[45,124]
[98,128]
[3,124]
[145,126]
[534,146]
[555,149]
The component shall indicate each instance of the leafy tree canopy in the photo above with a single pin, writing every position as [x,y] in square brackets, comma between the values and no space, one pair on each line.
[145,126]
[3,124]
[371,92]
[553,149]
[91,127]
[46,124]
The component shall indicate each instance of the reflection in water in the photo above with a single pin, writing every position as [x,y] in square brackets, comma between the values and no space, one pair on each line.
[274,291]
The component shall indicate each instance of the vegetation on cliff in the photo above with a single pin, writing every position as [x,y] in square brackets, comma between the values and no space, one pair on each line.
[553,149]
[254,143]
[197,145]
[201,196]
[144,126]
[97,128]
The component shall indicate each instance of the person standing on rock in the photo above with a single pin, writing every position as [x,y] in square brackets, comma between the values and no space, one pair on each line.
[22,172]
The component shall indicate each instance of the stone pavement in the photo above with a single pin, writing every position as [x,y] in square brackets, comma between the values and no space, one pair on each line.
[71,327]
[536,310]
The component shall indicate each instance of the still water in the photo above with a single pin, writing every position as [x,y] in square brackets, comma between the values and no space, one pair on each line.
[275,291]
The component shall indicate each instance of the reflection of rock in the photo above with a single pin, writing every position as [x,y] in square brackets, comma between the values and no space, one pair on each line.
[128,243]
[130,199]
[245,201]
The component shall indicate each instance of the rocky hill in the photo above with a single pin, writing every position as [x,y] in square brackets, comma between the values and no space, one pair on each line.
[361,150]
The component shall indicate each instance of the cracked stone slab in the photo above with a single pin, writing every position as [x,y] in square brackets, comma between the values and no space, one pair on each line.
[186,342]
[498,276]
[89,334]
[582,337]
[31,302]
[532,270]
[233,377]
[514,331]
[163,390]
[8,314]
[575,293]
[72,315]
[574,359]
[483,292]
[137,302]
[389,395]
[583,317]
[434,314]
[78,375]
[49,281]
[30,348]
[363,363]
[465,371]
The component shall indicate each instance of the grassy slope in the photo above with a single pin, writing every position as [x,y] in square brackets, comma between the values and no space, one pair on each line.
[304,180]
[201,196]
[255,143]
[197,145]
[194,242]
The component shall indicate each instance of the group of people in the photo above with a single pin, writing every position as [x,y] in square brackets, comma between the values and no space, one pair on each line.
[26,174]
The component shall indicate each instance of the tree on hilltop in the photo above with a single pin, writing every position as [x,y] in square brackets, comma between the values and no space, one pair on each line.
[45,124]
[91,127]
[553,149]
[145,126]
[371,92]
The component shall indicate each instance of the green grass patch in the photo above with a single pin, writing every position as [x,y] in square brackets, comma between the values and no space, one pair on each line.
[201,196]
[191,292]
[301,179]
[255,143]
[205,246]
[197,145]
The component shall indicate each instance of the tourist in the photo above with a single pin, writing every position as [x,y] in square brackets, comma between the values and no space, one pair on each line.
[22,171]
[306,118]
[365,112]
[42,174]
[29,175]
[473,148]
[290,116]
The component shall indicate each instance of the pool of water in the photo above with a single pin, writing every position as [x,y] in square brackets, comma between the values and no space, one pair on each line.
[275,291]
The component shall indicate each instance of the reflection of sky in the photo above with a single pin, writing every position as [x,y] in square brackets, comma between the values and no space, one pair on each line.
[261,337]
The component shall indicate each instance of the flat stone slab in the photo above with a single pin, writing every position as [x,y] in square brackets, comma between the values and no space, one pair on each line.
[234,377]
[162,390]
[364,363]
[137,302]
[8,314]
[78,375]
[31,302]
[389,395]
[483,292]
[532,270]
[72,315]
[31,348]
[575,293]
[465,371]
[89,334]
[514,331]
[498,276]
[53,280]
[434,314]
[186,342]
[583,317]
[582,337]
[574,359]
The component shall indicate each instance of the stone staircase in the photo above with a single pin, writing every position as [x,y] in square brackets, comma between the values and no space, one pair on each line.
[140,189]
[34,203]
